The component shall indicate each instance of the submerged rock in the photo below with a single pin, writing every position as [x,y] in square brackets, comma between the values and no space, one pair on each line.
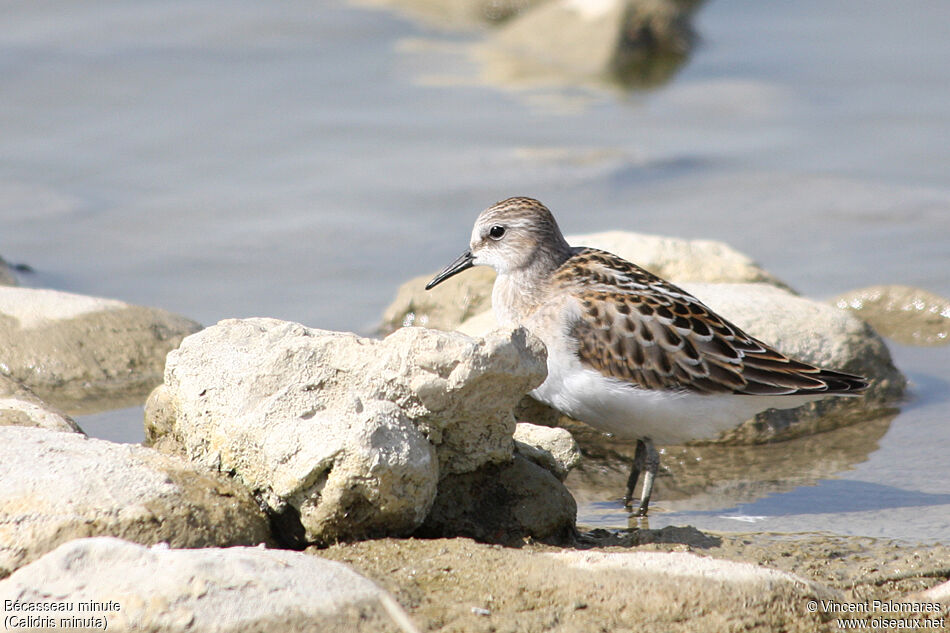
[460,298]
[21,407]
[74,350]
[239,590]
[908,315]
[60,486]
[342,437]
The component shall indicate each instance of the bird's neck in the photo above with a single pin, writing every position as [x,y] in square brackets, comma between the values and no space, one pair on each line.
[518,292]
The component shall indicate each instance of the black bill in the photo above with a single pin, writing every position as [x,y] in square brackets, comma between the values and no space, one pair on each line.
[464,262]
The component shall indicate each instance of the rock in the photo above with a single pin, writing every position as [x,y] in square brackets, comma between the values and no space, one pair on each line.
[681,260]
[638,42]
[344,437]
[445,306]
[239,589]
[463,297]
[477,325]
[502,503]
[160,418]
[939,593]
[816,333]
[74,350]
[60,486]
[697,573]
[805,329]
[908,315]
[21,407]
[553,449]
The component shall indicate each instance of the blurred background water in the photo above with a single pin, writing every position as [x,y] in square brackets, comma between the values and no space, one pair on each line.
[300,159]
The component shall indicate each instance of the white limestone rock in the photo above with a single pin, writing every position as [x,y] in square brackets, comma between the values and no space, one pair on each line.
[60,486]
[938,593]
[551,448]
[444,307]
[74,350]
[349,434]
[21,407]
[680,260]
[233,590]
[674,572]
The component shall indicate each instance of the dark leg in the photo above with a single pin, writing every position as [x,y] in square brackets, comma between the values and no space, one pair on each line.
[652,459]
[645,459]
[639,460]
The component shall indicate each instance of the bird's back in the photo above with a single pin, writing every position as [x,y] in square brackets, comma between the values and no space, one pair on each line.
[635,327]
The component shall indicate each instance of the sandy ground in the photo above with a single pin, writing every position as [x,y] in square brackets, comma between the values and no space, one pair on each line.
[460,585]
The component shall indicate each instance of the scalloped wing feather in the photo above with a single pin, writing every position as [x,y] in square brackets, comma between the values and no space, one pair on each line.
[635,327]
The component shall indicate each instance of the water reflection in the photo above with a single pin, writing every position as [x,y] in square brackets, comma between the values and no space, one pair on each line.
[125,425]
[631,45]
[625,44]
[834,495]
[713,477]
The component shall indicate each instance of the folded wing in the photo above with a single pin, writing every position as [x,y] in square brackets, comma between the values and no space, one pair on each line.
[635,327]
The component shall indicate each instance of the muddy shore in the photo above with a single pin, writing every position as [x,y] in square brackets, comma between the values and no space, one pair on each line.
[454,585]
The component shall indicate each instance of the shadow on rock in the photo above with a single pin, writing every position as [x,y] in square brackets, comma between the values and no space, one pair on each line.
[496,504]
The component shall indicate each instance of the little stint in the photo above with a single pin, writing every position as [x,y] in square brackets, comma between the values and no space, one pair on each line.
[629,353]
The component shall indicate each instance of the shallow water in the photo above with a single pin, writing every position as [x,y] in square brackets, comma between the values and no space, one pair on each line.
[300,159]
[884,478]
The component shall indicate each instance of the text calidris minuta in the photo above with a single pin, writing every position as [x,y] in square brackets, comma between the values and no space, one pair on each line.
[630,353]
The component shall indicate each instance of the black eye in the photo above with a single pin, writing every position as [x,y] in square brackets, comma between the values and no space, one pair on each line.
[496,232]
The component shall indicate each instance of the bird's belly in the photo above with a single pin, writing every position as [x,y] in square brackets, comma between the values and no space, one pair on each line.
[627,411]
